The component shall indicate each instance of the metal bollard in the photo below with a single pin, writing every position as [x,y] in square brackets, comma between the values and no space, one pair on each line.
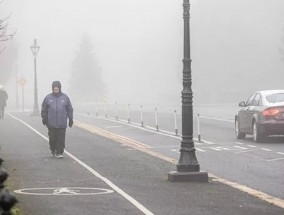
[7,198]
[156,117]
[198,128]
[141,116]
[175,121]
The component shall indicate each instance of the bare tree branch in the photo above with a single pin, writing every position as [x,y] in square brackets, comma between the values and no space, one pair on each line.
[5,19]
[4,25]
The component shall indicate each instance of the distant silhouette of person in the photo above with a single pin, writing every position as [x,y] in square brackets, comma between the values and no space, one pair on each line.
[3,100]
[56,108]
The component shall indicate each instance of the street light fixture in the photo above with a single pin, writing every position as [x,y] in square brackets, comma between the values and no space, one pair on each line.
[35,49]
[188,169]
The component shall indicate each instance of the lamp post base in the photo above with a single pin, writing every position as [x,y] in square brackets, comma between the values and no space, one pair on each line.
[175,176]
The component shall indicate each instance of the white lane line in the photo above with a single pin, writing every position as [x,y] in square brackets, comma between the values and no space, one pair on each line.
[223,120]
[280,153]
[223,148]
[239,143]
[265,149]
[208,142]
[197,149]
[252,146]
[252,150]
[239,147]
[215,148]
[95,173]
[115,126]
[276,159]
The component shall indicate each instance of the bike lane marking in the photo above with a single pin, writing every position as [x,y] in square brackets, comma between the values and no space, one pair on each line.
[63,191]
[91,170]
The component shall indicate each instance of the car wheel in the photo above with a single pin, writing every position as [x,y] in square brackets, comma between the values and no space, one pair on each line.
[258,137]
[239,135]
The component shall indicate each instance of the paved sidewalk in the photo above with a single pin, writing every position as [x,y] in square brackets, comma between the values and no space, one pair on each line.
[141,176]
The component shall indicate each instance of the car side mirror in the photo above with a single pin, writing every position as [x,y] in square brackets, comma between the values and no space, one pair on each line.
[242,104]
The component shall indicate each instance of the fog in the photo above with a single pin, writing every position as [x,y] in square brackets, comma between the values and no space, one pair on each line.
[139,46]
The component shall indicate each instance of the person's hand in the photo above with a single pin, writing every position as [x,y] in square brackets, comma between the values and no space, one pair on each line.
[70,122]
[44,121]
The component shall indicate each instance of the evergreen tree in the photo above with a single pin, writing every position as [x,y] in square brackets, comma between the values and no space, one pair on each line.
[86,84]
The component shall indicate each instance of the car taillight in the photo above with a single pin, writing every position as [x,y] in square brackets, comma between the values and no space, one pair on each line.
[270,112]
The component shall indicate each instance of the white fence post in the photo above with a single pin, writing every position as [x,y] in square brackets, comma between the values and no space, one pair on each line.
[141,116]
[106,109]
[116,111]
[129,113]
[175,121]
[96,110]
[198,128]
[156,117]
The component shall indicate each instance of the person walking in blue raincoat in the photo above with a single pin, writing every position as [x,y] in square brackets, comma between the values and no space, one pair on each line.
[56,108]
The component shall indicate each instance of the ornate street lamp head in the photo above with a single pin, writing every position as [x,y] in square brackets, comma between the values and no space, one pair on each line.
[35,48]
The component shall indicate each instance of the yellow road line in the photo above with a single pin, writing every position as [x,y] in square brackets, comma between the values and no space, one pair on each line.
[258,194]
[146,149]
[110,135]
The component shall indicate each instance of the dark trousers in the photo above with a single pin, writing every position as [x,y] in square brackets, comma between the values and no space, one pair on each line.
[57,139]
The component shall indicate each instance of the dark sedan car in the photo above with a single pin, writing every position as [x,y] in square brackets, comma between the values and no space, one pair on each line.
[261,115]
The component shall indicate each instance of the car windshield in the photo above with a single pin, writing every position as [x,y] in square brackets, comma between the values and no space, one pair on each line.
[275,98]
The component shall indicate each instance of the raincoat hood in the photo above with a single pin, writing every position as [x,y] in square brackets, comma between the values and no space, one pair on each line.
[56,84]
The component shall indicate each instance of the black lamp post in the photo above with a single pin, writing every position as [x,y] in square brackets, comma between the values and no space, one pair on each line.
[35,49]
[188,169]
